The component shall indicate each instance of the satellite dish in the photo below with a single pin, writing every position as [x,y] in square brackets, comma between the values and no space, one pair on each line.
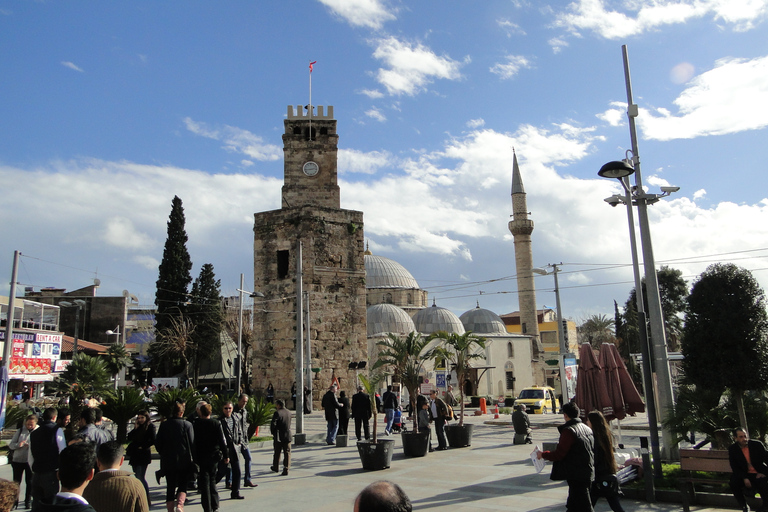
[126,293]
[97,282]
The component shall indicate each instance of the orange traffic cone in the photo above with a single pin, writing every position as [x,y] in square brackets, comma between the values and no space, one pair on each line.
[496,413]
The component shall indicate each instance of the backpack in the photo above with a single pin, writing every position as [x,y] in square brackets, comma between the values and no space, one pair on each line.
[450,415]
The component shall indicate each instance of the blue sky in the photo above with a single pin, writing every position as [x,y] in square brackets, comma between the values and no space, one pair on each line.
[111,109]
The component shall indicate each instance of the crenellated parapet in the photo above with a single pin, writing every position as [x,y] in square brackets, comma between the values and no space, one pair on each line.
[302,112]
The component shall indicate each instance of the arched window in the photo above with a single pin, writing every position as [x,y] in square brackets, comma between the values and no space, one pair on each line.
[510,350]
[388,298]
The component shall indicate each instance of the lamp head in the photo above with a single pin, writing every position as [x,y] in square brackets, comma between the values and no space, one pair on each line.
[617,169]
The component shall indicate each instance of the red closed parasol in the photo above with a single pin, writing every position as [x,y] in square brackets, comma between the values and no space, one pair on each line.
[623,394]
[591,389]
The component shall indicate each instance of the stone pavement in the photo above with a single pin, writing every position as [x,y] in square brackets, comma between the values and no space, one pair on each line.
[492,474]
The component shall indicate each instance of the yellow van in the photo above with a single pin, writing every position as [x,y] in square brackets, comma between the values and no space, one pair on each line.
[538,400]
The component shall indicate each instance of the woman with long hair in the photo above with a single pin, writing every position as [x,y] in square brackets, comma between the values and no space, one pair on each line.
[605,485]
[140,440]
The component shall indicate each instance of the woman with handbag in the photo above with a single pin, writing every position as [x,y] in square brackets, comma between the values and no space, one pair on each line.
[606,485]
[210,450]
[139,449]
[174,442]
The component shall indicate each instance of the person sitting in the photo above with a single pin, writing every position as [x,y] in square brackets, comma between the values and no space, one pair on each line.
[114,490]
[749,463]
[76,469]
[522,424]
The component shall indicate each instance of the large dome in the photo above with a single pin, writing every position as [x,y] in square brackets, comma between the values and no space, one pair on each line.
[433,319]
[483,321]
[385,318]
[381,272]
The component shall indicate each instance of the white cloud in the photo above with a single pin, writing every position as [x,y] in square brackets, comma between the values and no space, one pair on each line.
[640,16]
[699,194]
[410,67]
[376,114]
[510,27]
[681,73]
[374,94]
[237,140]
[361,13]
[72,65]
[354,161]
[510,68]
[120,232]
[557,44]
[246,163]
[475,123]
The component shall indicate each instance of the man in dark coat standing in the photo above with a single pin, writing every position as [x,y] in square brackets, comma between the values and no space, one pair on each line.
[234,436]
[361,411]
[575,453]
[45,444]
[281,435]
[331,405]
[749,463]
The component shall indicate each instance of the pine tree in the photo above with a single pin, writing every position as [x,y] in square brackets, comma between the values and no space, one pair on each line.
[173,278]
[207,314]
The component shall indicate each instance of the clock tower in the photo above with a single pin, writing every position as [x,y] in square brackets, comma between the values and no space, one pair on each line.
[332,263]
[310,149]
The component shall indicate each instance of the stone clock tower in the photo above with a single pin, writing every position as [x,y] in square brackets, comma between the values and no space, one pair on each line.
[332,260]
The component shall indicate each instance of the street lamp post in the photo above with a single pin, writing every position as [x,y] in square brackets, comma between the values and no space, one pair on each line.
[79,304]
[239,366]
[560,329]
[111,332]
[637,195]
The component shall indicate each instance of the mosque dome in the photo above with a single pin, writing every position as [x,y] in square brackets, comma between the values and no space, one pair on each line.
[385,318]
[433,319]
[381,272]
[483,321]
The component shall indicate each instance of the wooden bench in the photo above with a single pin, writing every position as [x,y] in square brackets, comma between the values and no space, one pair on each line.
[702,460]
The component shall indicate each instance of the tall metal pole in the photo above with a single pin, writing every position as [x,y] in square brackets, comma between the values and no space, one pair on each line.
[560,336]
[299,341]
[658,336]
[239,368]
[308,356]
[642,335]
[5,370]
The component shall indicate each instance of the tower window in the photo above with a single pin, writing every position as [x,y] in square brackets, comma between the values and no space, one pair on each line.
[323,131]
[283,260]
[510,350]
[307,134]
[296,130]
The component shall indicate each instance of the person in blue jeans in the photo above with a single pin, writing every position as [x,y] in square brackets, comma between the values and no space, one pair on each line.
[242,415]
[331,405]
[390,405]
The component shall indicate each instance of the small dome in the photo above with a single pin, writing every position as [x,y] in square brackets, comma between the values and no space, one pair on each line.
[385,318]
[381,272]
[433,319]
[483,321]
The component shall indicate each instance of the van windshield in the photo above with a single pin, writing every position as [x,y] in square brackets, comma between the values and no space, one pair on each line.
[531,394]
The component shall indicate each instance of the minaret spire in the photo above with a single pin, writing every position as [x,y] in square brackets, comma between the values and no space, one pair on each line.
[521,228]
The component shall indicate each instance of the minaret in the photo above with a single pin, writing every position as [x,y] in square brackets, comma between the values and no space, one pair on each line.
[521,228]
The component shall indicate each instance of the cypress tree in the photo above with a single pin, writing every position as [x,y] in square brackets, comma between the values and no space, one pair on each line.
[207,314]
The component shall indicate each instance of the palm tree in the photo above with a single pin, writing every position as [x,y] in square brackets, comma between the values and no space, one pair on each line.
[459,350]
[596,330]
[406,358]
[117,359]
[85,377]
[370,384]
[122,405]
[258,412]
[163,401]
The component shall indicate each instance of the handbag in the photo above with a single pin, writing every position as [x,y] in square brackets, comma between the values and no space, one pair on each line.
[558,471]
[606,486]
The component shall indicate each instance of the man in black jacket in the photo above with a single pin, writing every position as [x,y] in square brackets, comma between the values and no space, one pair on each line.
[76,470]
[361,411]
[45,443]
[281,435]
[390,406]
[749,463]
[575,452]
[331,405]
[234,435]
[522,424]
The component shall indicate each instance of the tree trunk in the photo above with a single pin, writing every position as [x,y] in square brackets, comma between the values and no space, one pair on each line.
[739,395]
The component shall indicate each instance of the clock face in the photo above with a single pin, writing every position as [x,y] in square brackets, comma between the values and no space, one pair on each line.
[310,168]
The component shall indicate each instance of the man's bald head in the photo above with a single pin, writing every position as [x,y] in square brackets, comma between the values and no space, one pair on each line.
[382,496]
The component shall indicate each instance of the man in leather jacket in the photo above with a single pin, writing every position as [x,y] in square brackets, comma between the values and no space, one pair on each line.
[749,463]
[575,455]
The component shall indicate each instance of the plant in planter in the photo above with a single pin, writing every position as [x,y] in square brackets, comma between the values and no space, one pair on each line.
[406,358]
[376,453]
[459,350]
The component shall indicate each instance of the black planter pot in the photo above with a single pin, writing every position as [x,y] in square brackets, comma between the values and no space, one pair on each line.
[415,445]
[376,456]
[459,436]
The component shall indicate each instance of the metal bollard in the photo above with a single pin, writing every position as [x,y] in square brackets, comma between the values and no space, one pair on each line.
[650,491]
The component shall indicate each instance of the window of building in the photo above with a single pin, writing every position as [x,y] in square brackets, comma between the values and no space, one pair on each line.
[388,298]
[410,299]
[283,262]
[510,380]
[510,350]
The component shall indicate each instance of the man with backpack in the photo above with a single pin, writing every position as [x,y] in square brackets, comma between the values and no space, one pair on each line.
[390,405]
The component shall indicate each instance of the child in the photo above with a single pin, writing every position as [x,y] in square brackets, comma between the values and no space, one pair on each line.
[422,404]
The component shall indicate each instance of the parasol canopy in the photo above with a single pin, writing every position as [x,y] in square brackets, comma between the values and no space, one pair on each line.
[591,388]
[624,397]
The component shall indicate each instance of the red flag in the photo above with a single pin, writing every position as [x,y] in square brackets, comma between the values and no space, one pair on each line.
[310,65]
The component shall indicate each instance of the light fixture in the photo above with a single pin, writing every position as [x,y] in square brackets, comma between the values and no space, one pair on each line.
[616,169]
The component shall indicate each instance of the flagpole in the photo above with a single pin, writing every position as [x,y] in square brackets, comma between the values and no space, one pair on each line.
[311,108]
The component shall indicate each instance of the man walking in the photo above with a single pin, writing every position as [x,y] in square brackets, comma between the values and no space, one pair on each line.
[439,412]
[331,405]
[241,413]
[112,489]
[361,411]
[281,434]
[45,444]
[234,437]
[390,404]
[749,463]
[575,452]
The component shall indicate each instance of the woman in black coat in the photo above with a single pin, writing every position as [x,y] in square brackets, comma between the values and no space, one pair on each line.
[175,441]
[210,450]
[140,440]
[344,413]
[605,485]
